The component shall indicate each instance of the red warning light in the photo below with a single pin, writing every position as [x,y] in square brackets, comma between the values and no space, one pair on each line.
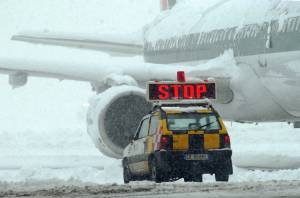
[180,76]
[164,5]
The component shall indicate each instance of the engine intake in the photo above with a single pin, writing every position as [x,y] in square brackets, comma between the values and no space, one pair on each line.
[113,117]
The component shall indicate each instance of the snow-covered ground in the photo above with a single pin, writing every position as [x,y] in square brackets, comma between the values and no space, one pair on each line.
[151,190]
[43,135]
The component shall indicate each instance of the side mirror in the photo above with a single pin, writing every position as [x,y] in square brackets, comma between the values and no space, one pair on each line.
[131,138]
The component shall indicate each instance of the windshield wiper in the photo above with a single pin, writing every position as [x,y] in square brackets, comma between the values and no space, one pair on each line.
[206,125]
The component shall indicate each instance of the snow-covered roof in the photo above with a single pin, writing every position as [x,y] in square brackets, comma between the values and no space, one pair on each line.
[194,16]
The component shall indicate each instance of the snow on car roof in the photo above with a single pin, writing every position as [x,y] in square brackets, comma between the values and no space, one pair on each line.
[185,109]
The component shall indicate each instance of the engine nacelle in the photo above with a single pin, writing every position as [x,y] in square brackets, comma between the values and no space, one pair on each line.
[113,117]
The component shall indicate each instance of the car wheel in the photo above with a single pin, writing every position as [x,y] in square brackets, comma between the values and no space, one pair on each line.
[126,173]
[198,178]
[156,174]
[188,178]
[221,177]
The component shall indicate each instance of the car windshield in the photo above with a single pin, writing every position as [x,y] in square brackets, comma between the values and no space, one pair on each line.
[192,122]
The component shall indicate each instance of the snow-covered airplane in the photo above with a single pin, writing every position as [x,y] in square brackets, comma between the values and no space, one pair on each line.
[251,48]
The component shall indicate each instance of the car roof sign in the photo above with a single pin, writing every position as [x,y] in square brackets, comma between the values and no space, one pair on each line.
[181,91]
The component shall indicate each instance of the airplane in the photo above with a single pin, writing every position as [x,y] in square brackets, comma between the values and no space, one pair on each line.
[254,64]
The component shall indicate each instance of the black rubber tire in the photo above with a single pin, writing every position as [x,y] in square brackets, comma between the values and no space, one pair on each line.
[126,173]
[156,174]
[198,178]
[221,177]
[193,178]
[187,178]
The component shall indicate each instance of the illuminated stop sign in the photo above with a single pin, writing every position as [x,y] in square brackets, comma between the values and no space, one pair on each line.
[169,91]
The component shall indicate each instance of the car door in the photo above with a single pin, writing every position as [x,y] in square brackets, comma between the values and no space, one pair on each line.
[154,122]
[138,158]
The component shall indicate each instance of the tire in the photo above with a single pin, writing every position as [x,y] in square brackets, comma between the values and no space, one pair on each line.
[156,174]
[221,177]
[193,178]
[188,178]
[126,173]
[198,178]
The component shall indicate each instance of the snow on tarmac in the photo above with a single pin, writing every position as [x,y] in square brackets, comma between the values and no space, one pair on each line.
[149,190]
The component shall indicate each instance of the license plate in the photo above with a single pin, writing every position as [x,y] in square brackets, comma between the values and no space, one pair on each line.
[197,157]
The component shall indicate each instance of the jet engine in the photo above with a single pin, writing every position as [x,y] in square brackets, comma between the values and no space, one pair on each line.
[114,116]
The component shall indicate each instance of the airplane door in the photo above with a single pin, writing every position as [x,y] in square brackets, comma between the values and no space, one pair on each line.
[267,45]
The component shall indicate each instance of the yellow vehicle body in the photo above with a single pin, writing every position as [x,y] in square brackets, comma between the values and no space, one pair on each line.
[180,147]
[180,141]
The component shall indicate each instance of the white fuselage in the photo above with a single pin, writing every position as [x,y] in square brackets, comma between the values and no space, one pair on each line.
[265,92]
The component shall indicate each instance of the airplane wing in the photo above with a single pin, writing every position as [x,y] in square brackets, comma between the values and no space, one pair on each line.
[20,64]
[115,45]
[101,72]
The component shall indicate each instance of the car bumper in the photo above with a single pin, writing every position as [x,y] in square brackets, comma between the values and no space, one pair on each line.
[175,162]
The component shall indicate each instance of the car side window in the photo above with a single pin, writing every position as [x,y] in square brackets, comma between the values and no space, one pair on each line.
[153,125]
[144,129]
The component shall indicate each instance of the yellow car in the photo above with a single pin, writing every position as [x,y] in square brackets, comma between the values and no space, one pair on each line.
[178,141]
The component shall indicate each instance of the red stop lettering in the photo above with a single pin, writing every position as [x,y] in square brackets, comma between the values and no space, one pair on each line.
[200,90]
[176,90]
[163,92]
[189,92]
